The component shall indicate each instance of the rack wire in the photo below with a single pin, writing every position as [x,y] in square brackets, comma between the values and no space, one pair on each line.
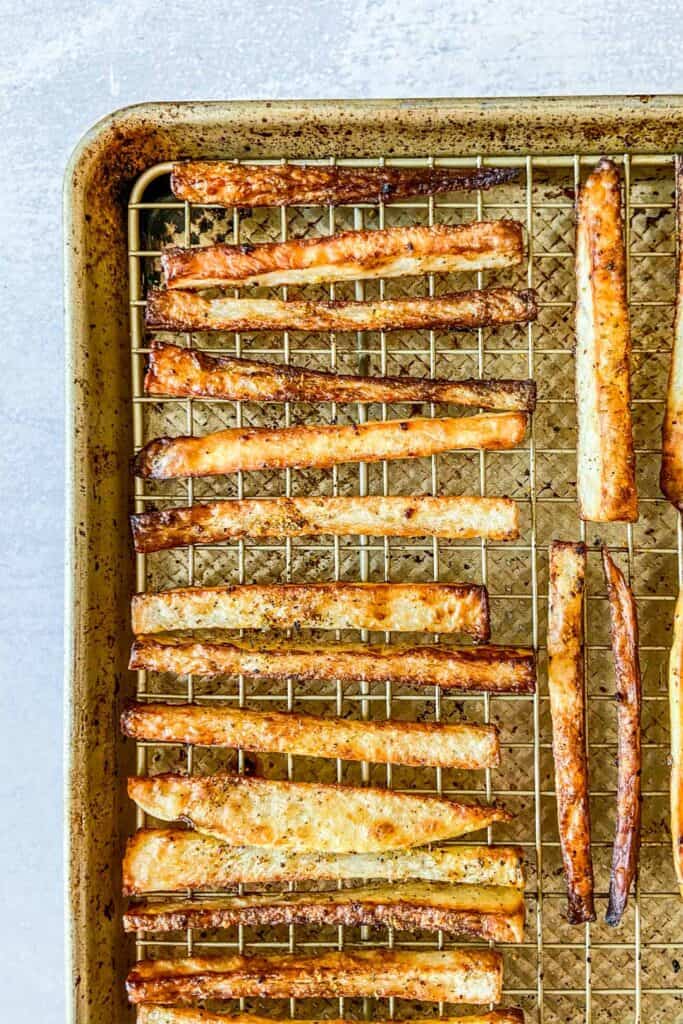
[560,973]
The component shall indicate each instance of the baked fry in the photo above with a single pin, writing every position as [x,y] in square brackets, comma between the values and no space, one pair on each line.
[671,476]
[307,816]
[187,373]
[676,716]
[247,185]
[177,310]
[493,669]
[454,976]
[351,256]
[567,709]
[414,607]
[149,1014]
[173,860]
[605,457]
[418,516]
[624,624]
[462,745]
[490,912]
[321,446]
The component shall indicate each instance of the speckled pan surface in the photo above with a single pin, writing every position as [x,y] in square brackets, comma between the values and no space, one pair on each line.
[101,568]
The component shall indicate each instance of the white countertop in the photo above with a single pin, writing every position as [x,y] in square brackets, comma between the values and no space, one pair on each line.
[63,66]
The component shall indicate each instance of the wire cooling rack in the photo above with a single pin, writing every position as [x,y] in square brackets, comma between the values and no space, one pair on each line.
[560,973]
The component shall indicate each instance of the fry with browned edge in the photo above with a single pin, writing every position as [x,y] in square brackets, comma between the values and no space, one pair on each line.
[484,912]
[455,518]
[567,709]
[351,256]
[173,860]
[605,458]
[671,475]
[245,185]
[178,310]
[453,975]
[624,628]
[187,373]
[320,446]
[307,816]
[461,745]
[414,607]
[149,1014]
[490,668]
[676,724]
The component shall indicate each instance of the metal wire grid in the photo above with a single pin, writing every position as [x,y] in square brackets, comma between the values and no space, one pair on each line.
[559,973]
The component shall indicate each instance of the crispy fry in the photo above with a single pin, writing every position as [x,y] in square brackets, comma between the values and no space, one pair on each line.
[671,476]
[414,607]
[227,184]
[605,458]
[187,373]
[307,816]
[418,516]
[181,1015]
[178,310]
[490,912]
[454,976]
[323,445]
[353,255]
[493,669]
[173,860]
[676,715]
[624,623]
[567,709]
[462,745]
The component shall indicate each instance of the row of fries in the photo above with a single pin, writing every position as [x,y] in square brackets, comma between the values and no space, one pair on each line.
[256,831]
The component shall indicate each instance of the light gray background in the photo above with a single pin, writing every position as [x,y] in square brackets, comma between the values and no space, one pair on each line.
[63,65]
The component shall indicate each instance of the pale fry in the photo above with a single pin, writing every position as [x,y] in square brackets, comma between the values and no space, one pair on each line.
[351,256]
[494,669]
[454,976]
[676,723]
[420,516]
[321,446]
[177,310]
[605,456]
[491,913]
[567,709]
[414,607]
[307,816]
[149,1014]
[461,745]
[173,860]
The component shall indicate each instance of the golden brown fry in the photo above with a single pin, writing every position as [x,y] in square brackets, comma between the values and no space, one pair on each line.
[676,716]
[454,976]
[567,709]
[494,669]
[187,373]
[307,816]
[490,912]
[462,745]
[624,623]
[178,310]
[605,457]
[414,607]
[148,1014]
[353,255]
[227,184]
[323,445]
[173,860]
[671,476]
[457,518]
